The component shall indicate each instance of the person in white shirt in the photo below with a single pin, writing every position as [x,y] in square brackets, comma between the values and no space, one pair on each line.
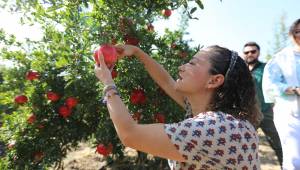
[281,86]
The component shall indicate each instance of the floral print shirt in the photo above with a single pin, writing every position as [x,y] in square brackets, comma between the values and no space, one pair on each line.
[214,140]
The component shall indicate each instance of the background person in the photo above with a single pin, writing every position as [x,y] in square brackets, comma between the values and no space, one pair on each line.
[251,53]
[281,81]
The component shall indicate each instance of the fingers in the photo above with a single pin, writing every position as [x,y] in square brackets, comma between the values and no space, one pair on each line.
[119,46]
[111,68]
[120,49]
[298,91]
[101,60]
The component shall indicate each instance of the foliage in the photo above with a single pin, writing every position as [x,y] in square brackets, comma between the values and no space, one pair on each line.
[63,59]
[280,37]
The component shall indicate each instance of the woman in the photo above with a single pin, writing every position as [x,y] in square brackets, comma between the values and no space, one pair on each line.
[281,81]
[220,134]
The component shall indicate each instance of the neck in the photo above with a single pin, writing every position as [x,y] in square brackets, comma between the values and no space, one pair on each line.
[199,102]
[297,48]
[251,66]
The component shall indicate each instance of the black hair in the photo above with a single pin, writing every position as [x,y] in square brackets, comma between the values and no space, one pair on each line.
[237,95]
[252,43]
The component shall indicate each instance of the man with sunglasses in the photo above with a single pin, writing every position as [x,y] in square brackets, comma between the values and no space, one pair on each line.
[251,52]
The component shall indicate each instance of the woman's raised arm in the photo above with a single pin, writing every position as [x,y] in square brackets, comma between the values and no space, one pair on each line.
[155,70]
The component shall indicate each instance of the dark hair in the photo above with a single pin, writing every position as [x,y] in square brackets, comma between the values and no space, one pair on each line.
[237,95]
[293,27]
[252,43]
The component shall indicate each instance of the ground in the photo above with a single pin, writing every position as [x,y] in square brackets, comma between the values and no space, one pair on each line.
[85,158]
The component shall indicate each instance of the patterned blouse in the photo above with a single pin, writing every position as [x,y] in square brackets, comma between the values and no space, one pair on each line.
[214,140]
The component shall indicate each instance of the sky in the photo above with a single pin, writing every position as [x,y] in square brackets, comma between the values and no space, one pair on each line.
[232,23]
[229,23]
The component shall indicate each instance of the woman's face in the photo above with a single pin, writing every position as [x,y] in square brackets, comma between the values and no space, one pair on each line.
[296,35]
[194,75]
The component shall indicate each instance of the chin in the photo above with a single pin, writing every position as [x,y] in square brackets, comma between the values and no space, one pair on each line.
[177,86]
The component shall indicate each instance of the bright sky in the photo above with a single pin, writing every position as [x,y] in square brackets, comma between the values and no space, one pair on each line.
[229,23]
[234,22]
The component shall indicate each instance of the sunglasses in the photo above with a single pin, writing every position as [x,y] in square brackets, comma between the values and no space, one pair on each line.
[251,51]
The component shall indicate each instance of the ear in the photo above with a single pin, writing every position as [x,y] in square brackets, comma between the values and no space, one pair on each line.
[215,81]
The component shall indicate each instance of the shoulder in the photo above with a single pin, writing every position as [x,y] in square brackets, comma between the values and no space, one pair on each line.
[229,120]
[211,119]
[210,115]
[284,52]
[261,64]
[213,115]
[203,120]
[217,118]
[279,58]
[259,67]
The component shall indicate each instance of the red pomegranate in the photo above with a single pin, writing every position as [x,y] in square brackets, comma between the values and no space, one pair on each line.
[114,74]
[166,12]
[71,102]
[52,96]
[109,53]
[21,99]
[64,111]
[32,75]
[137,96]
[104,150]
[159,118]
[31,119]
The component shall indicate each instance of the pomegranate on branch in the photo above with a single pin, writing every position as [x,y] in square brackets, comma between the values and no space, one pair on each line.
[109,53]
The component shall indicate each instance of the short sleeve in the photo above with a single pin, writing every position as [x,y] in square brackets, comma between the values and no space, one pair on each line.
[273,83]
[192,138]
[214,140]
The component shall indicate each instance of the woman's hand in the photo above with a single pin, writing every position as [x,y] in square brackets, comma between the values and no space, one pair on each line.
[102,72]
[292,91]
[126,50]
[297,91]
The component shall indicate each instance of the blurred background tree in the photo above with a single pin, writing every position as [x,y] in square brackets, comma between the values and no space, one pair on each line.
[280,37]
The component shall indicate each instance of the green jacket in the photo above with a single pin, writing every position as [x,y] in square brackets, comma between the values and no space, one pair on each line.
[257,73]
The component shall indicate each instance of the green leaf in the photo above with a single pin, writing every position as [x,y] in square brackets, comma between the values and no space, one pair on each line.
[185,4]
[200,4]
[193,10]
[61,62]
